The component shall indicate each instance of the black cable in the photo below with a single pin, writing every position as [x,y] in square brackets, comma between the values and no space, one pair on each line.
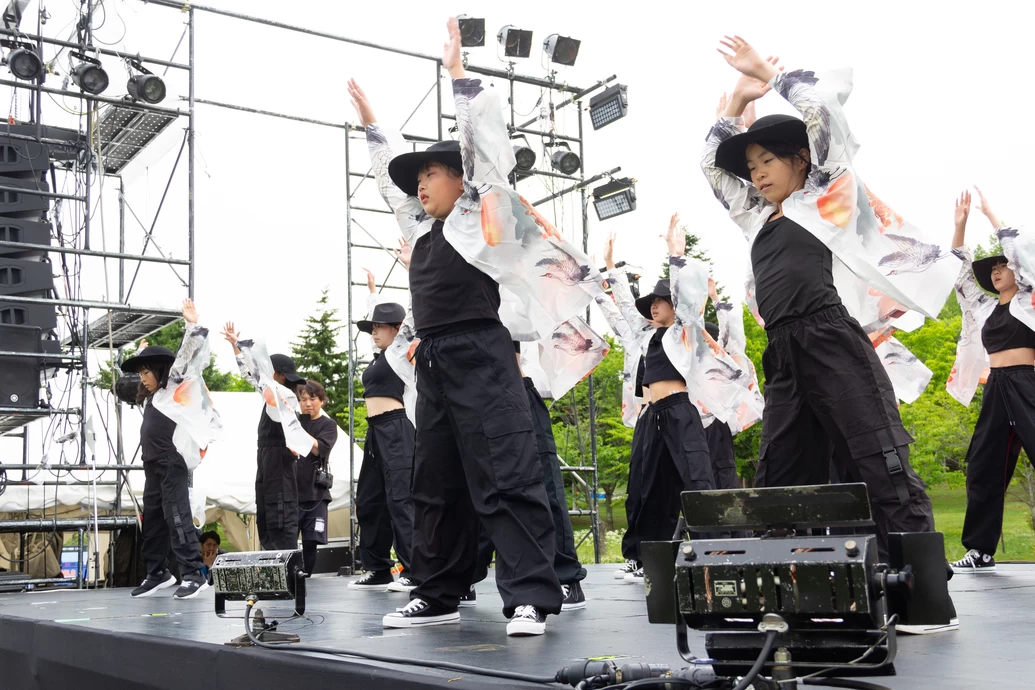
[770,638]
[656,683]
[843,683]
[388,659]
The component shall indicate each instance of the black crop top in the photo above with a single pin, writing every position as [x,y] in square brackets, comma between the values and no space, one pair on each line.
[1002,331]
[656,366]
[156,433]
[379,381]
[639,376]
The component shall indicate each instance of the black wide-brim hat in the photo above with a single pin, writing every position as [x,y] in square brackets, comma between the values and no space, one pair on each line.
[713,329]
[404,168]
[983,271]
[285,365]
[731,155]
[150,356]
[386,312]
[662,289]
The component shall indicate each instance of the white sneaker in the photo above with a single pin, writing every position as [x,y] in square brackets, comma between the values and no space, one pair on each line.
[629,567]
[526,621]
[635,577]
[954,624]
[974,562]
[403,584]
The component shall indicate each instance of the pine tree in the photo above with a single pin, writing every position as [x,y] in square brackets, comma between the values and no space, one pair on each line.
[694,251]
[318,357]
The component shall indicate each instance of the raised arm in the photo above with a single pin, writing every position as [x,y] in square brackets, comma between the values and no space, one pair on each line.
[624,305]
[986,209]
[384,144]
[488,155]
[244,363]
[193,356]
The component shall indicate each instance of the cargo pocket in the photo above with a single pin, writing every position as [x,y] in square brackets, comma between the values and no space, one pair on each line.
[274,510]
[512,451]
[699,463]
[397,457]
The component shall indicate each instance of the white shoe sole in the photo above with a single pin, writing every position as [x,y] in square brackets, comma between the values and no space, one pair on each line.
[620,574]
[954,624]
[394,621]
[195,593]
[164,585]
[523,628]
[972,571]
[634,580]
[468,604]
[573,607]
[397,587]
[368,588]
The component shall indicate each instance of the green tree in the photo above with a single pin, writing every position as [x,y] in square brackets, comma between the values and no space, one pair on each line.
[318,357]
[170,337]
[747,444]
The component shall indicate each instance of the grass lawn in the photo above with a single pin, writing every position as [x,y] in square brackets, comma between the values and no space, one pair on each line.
[950,506]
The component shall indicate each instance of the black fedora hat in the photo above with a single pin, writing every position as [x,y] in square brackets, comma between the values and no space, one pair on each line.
[286,366]
[662,289]
[732,153]
[403,168]
[387,312]
[713,330]
[150,356]
[983,271]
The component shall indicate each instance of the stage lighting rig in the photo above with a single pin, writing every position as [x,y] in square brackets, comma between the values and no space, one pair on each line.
[610,105]
[88,75]
[472,31]
[564,160]
[23,61]
[561,49]
[145,86]
[524,155]
[516,42]
[615,198]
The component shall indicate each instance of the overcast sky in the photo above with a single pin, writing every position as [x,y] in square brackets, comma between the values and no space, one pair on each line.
[938,104]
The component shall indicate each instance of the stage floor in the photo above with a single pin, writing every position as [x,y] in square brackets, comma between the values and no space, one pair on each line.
[105,639]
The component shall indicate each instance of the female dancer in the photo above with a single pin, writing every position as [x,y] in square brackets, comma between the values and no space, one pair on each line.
[174,399]
[384,502]
[823,378]
[313,497]
[1007,419]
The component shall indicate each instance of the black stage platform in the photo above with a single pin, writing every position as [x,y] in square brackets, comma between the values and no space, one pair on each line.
[106,640]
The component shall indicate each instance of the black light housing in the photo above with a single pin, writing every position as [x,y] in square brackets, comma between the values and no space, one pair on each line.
[610,105]
[516,42]
[24,63]
[615,198]
[561,49]
[88,75]
[524,155]
[564,159]
[472,31]
[146,87]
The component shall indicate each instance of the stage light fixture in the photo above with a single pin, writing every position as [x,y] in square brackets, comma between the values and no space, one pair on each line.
[24,63]
[516,42]
[88,75]
[524,155]
[615,198]
[611,105]
[148,88]
[472,31]
[561,49]
[564,159]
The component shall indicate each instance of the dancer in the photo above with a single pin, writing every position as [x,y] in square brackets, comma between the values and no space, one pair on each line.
[475,459]
[314,493]
[384,503]
[824,383]
[642,325]
[1007,344]
[174,399]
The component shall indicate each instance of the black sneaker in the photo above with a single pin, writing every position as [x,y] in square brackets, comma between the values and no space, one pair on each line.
[574,598]
[629,567]
[635,576]
[419,613]
[975,562]
[374,581]
[527,620]
[191,586]
[470,599]
[403,584]
[153,583]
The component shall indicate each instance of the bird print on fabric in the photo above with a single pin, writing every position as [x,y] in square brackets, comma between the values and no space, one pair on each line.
[819,125]
[914,256]
[564,267]
[463,91]
[721,371]
[568,339]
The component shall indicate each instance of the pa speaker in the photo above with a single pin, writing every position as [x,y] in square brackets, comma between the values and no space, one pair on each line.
[927,607]
[25,231]
[20,376]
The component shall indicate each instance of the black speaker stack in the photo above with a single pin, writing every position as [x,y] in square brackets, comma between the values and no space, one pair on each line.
[24,271]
